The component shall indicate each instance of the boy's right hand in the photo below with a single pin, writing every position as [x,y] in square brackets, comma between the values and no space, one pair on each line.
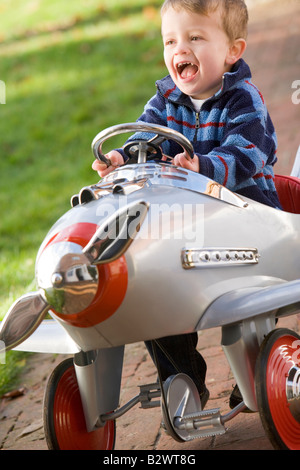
[102,169]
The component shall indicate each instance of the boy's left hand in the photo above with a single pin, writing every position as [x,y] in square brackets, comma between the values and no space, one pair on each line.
[184,160]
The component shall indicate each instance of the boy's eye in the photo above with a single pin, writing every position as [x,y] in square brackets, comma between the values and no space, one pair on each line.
[196,38]
[169,42]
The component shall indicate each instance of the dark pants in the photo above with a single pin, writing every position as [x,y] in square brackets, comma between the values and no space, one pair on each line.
[179,354]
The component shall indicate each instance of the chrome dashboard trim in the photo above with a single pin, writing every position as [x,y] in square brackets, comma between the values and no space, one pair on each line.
[130,178]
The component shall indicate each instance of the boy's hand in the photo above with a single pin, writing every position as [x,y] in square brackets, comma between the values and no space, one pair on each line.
[103,170]
[183,160]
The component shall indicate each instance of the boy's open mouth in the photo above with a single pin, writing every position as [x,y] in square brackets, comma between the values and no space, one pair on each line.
[186,69]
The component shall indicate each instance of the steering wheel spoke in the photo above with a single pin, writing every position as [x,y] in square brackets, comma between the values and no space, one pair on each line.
[141,151]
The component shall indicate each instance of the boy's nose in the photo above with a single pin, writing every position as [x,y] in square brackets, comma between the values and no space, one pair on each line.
[181,48]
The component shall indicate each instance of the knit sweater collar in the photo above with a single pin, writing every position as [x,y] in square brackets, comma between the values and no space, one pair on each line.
[170,91]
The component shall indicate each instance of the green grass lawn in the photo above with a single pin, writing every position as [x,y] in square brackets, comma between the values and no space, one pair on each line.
[70,70]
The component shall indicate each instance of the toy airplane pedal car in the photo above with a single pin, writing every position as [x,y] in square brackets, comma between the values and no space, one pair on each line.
[126,242]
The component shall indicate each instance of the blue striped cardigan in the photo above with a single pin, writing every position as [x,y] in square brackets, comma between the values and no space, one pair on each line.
[233,135]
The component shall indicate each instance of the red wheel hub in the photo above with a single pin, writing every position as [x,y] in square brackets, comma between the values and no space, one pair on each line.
[69,422]
[282,384]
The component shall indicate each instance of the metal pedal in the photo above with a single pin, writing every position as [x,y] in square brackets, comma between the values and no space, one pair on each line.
[201,424]
[147,393]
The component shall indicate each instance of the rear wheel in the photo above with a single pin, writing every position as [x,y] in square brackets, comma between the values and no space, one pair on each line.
[278,388]
[64,420]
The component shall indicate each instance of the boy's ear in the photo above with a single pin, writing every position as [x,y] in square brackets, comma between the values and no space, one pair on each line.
[235,51]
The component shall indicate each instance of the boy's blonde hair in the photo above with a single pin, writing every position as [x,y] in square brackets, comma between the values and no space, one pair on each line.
[234,13]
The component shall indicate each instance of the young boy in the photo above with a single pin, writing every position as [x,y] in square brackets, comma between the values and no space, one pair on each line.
[209,97]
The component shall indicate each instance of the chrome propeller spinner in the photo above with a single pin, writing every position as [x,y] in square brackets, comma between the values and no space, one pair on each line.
[67,279]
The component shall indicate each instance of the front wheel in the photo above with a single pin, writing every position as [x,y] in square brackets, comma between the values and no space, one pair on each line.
[64,421]
[277,380]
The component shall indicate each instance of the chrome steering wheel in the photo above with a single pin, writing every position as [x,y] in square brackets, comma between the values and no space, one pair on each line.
[141,150]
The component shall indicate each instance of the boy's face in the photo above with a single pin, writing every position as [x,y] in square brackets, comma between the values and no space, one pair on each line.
[196,50]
